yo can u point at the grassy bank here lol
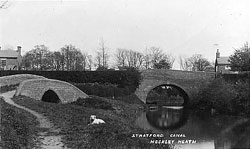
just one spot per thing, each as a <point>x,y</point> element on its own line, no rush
<point>73,121</point>
<point>227,97</point>
<point>17,127</point>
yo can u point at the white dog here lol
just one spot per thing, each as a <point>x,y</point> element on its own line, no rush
<point>94,120</point>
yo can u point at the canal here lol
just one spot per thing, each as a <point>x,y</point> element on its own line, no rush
<point>206,131</point>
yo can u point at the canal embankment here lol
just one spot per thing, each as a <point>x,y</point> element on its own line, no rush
<point>46,135</point>
<point>73,120</point>
<point>18,127</point>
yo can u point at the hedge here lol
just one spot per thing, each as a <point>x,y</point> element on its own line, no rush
<point>235,77</point>
<point>104,90</point>
<point>120,78</point>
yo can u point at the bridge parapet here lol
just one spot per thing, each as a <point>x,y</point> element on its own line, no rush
<point>177,74</point>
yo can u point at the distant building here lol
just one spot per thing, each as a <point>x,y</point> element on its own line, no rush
<point>10,59</point>
<point>209,69</point>
<point>222,63</point>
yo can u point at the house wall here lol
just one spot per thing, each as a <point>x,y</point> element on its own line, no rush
<point>11,63</point>
<point>222,68</point>
<point>13,60</point>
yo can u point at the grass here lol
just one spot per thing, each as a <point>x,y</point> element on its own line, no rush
<point>73,121</point>
<point>17,127</point>
<point>94,102</point>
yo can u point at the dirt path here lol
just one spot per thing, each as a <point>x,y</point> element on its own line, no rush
<point>49,139</point>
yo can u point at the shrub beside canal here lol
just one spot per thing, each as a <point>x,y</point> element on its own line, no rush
<point>229,97</point>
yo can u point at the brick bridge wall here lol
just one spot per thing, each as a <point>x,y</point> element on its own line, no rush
<point>35,88</point>
<point>188,81</point>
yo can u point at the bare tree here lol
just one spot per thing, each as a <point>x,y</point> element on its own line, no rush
<point>4,4</point>
<point>156,54</point>
<point>198,62</point>
<point>120,57</point>
<point>147,59</point>
<point>72,58</point>
<point>86,61</point>
<point>90,62</point>
<point>184,63</point>
<point>154,57</point>
<point>129,58</point>
<point>102,55</point>
<point>140,59</point>
<point>98,59</point>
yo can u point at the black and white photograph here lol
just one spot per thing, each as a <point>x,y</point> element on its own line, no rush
<point>124,74</point>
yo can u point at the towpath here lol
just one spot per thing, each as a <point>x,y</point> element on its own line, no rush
<point>49,138</point>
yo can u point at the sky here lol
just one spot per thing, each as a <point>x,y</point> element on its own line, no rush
<point>178,27</point>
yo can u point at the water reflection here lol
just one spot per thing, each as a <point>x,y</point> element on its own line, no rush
<point>167,117</point>
<point>209,131</point>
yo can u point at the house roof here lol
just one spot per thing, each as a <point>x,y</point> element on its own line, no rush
<point>8,54</point>
<point>222,61</point>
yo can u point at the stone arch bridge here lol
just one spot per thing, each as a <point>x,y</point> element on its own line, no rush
<point>36,89</point>
<point>187,81</point>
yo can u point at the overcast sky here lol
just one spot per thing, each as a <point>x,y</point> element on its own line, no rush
<point>179,27</point>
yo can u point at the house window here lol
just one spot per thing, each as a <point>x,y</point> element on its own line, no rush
<point>227,67</point>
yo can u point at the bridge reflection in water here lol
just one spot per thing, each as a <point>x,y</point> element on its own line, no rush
<point>210,132</point>
<point>167,118</point>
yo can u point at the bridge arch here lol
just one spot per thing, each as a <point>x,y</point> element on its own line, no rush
<point>51,95</point>
<point>180,89</point>
<point>149,84</point>
<point>36,88</point>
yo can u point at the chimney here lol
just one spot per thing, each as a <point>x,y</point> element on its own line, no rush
<point>19,49</point>
<point>217,54</point>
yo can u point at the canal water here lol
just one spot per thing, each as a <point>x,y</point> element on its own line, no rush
<point>189,130</point>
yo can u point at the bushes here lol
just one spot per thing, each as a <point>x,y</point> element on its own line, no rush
<point>95,103</point>
<point>235,77</point>
<point>129,78</point>
<point>242,100</point>
<point>225,97</point>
